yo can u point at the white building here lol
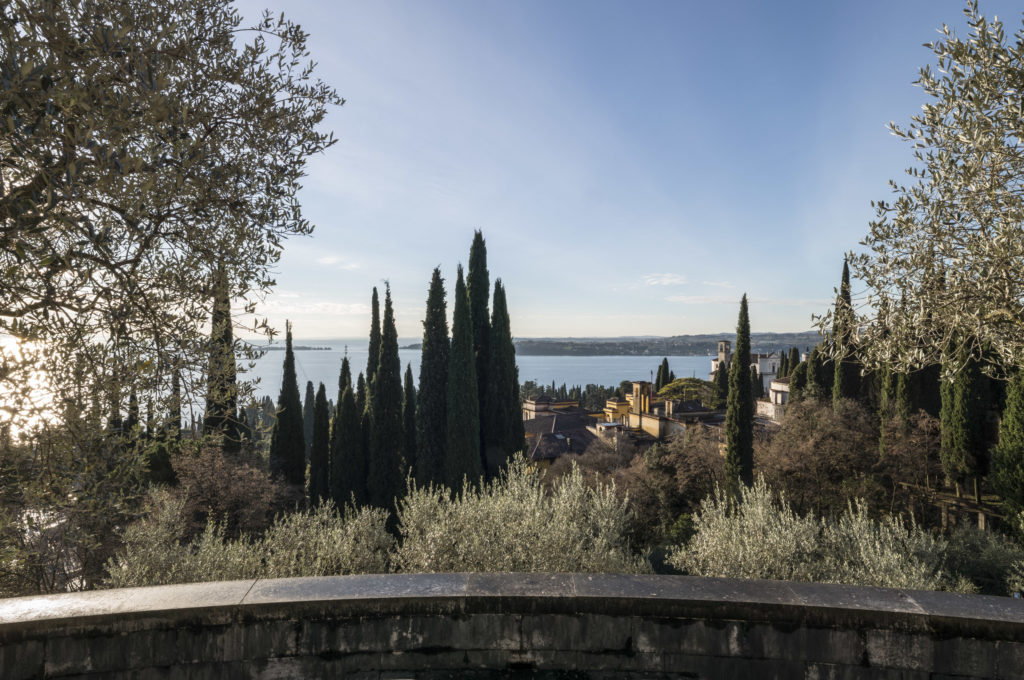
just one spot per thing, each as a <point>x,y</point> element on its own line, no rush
<point>767,365</point>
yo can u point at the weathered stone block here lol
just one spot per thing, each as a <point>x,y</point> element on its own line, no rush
<point>22,660</point>
<point>897,649</point>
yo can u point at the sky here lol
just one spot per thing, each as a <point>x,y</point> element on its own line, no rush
<point>635,167</point>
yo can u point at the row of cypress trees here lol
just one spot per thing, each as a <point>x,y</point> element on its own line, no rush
<point>461,424</point>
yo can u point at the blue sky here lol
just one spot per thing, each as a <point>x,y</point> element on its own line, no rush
<point>635,167</point>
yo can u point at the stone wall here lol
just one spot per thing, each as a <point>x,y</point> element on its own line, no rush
<point>511,625</point>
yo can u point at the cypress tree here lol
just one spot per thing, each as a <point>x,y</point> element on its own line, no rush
<point>970,402</point>
<point>1007,472</point>
<point>348,465</point>
<point>361,394</point>
<point>798,381</point>
<point>409,423</point>
<point>478,288</point>
<point>344,429</point>
<point>794,359</point>
<point>344,378</point>
<point>308,408</point>
<point>319,453</point>
<point>384,478</point>
<point>783,364</point>
<point>373,358</point>
<point>845,384</point>
<point>287,445</point>
<point>739,414</point>
<point>503,421</point>
<point>902,407</point>
<point>756,386</point>
<point>816,388</point>
<point>363,409</point>
<point>132,421</point>
<point>964,402</point>
<point>432,397</point>
<point>925,392</point>
<point>462,457</point>
<point>947,455</point>
<point>721,386</point>
<point>663,373</point>
<point>221,388</point>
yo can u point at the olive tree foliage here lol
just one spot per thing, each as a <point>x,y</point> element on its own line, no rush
<point>944,258</point>
<point>762,537</point>
<point>317,542</point>
<point>142,146</point>
<point>514,523</point>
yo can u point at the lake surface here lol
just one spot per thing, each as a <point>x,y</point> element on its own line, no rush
<point>325,365</point>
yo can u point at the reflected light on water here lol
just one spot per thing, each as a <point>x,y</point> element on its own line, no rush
<point>26,401</point>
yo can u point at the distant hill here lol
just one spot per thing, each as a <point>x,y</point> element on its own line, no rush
<point>677,345</point>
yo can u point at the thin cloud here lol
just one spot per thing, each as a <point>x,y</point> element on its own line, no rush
<point>331,260</point>
<point>665,279</point>
<point>718,284</point>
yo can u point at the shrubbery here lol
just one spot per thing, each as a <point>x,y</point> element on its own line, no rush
<point>762,537</point>
<point>521,522</point>
<point>515,524</point>
<point>318,542</point>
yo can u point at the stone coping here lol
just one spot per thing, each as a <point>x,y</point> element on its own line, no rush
<point>778,602</point>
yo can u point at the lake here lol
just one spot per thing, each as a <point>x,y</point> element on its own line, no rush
<point>324,365</point>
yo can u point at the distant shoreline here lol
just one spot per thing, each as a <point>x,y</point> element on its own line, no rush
<point>680,345</point>
<point>297,348</point>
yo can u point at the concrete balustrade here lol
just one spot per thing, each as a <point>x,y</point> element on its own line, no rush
<point>511,625</point>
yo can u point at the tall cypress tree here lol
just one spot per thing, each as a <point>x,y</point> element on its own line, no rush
<point>721,386</point>
<point>384,477</point>
<point>794,359</point>
<point>319,453</point>
<point>503,420</point>
<point>348,464</point>
<point>361,394</point>
<point>287,444</point>
<point>662,377</point>
<point>432,406</point>
<point>970,402</point>
<point>1007,473</point>
<point>846,384</point>
<point>739,414</point>
<point>409,423</point>
<point>462,457</point>
<point>345,440</point>
<point>308,409</point>
<point>478,288</point>
<point>815,387</point>
<point>221,387</point>
<point>798,381</point>
<point>344,378</point>
<point>373,358</point>
<point>816,383</point>
<point>783,364</point>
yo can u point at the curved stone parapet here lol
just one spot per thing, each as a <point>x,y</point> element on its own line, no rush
<point>511,625</point>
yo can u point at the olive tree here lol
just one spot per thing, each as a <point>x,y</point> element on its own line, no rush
<point>143,146</point>
<point>944,259</point>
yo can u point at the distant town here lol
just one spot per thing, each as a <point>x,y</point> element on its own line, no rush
<point>676,345</point>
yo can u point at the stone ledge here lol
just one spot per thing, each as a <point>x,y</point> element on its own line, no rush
<point>591,623</point>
